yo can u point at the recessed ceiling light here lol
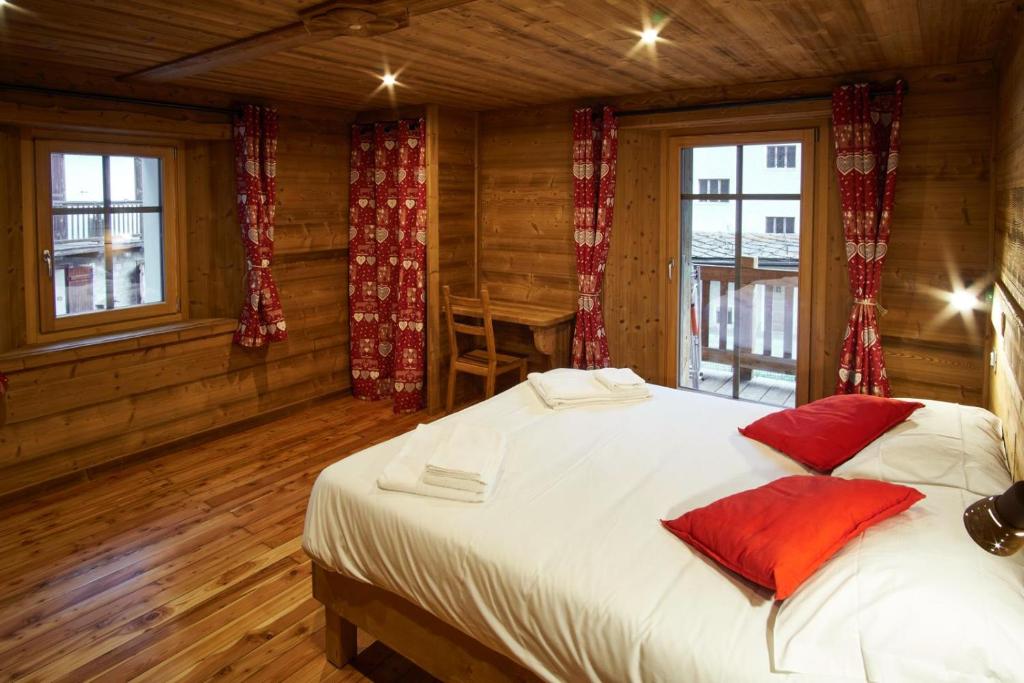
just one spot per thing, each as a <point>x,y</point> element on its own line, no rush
<point>389,80</point>
<point>963,300</point>
<point>649,36</point>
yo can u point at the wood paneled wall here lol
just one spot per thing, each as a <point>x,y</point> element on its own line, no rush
<point>1006,381</point>
<point>83,405</point>
<point>452,159</point>
<point>940,227</point>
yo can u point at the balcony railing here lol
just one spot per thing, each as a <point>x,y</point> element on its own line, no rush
<point>761,319</point>
<point>87,226</point>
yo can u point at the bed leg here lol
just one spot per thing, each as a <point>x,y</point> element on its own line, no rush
<point>340,646</point>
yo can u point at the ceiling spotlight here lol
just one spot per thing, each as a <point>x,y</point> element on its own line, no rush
<point>389,80</point>
<point>963,300</point>
<point>649,36</point>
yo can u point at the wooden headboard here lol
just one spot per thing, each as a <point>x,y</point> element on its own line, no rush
<point>1007,378</point>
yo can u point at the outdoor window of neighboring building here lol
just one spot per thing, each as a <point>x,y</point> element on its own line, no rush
<point>781,156</point>
<point>107,234</point>
<point>713,186</point>
<point>780,224</point>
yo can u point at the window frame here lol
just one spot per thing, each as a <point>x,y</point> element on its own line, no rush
<point>44,324</point>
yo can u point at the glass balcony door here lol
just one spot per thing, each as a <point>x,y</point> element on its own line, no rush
<point>740,217</point>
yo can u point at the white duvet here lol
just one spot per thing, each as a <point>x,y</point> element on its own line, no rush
<point>567,569</point>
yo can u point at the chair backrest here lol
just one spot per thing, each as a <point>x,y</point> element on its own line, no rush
<point>463,307</point>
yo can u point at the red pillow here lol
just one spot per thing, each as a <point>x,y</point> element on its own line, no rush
<point>826,433</point>
<point>777,535</point>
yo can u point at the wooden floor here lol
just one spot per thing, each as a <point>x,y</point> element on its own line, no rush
<point>187,566</point>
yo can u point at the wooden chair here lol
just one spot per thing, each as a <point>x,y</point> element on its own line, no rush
<point>486,362</point>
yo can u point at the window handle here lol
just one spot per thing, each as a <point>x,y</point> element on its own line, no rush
<point>48,260</point>
<point>671,268</point>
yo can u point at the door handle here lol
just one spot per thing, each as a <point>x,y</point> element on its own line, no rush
<point>671,268</point>
<point>48,260</point>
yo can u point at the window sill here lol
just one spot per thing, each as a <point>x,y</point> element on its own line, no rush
<point>55,353</point>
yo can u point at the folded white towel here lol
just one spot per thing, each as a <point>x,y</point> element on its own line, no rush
<point>619,378</point>
<point>570,388</point>
<point>406,472</point>
<point>455,483</point>
<point>470,453</point>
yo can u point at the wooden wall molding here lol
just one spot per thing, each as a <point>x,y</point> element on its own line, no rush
<point>30,109</point>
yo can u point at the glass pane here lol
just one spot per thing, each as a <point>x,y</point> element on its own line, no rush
<point>76,180</point>
<point>106,259</point>
<point>709,170</point>
<point>771,229</point>
<point>771,169</point>
<point>708,332</point>
<point>138,276</point>
<point>766,325</point>
<point>134,181</point>
<point>79,265</point>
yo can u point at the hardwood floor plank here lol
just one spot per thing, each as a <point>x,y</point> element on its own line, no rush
<point>188,565</point>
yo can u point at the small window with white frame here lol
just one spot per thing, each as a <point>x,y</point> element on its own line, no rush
<point>107,236</point>
<point>710,186</point>
<point>781,156</point>
<point>780,224</point>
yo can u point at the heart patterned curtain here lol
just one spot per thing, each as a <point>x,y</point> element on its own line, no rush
<point>387,262</point>
<point>594,156</point>
<point>867,140</point>
<point>262,320</point>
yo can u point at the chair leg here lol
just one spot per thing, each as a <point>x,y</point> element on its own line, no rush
<point>450,403</point>
<point>492,375</point>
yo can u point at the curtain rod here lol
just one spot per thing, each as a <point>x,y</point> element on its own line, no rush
<point>743,103</point>
<point>116,98</point>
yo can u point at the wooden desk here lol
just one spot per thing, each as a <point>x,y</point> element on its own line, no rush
<point>550,325</point>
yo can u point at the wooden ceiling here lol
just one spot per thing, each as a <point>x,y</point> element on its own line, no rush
<point>489,54</point>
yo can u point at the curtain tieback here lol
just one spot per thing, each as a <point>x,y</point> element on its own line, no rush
<point>882,310</point>
<point>249,267</point>
<point>587,294</point>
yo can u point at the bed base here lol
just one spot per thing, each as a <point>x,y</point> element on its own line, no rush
<point>435,646</point>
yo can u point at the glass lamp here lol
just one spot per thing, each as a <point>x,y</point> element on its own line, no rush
<point>996,523</point>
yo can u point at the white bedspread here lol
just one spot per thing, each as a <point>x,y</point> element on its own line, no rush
<point>567,568</point>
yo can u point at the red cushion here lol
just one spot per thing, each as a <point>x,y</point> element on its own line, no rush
<point>826,433</point>
<point>777,535</point>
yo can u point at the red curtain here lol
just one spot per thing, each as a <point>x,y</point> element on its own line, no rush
<point>262,320</point>
<point>594,155</point>
<point>867,139</point>
<point>387,262</point>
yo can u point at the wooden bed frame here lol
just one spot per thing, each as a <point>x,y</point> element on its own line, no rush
<point>435,646</point>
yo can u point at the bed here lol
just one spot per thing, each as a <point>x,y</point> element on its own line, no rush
<point>565,574</point>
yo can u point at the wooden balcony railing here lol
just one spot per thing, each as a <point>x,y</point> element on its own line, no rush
<point>774,317</point>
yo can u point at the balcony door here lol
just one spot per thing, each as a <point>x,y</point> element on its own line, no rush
<point>743,201</point>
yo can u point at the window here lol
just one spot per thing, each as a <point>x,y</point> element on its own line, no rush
<point>781,156</point>
<point>780,224</point>
<point>714,186</point>
<point>106,217</point>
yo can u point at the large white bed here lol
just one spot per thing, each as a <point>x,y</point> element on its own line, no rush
<point>567,570</point>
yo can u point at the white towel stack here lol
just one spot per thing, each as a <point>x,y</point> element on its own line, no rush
<point>568,388</point>
<point>458,462</point>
